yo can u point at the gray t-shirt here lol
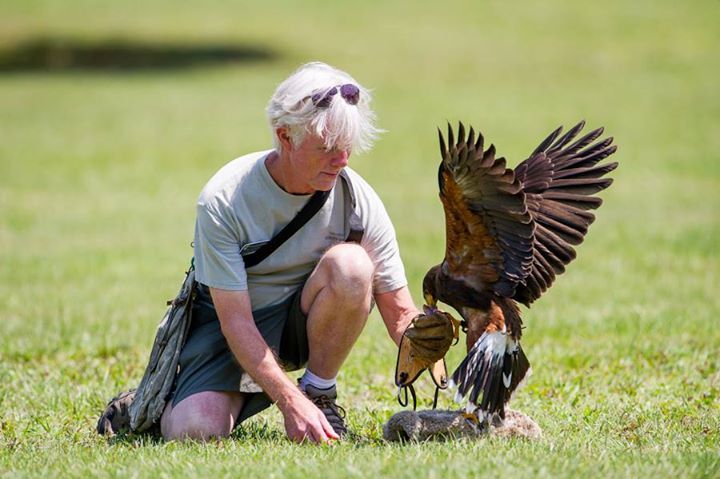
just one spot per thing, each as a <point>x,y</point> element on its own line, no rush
<point>242,205</point>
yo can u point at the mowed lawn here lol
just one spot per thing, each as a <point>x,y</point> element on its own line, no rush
<point>100,169</point>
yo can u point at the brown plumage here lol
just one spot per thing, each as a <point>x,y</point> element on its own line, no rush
<point>508,235</point>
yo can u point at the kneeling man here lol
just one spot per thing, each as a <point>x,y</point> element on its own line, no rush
<point>307,302</point>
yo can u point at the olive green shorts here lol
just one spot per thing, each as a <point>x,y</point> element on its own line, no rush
<point>207,364</point>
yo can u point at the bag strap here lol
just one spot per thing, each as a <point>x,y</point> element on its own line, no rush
<point>313,205</point>
<point>352,221</point>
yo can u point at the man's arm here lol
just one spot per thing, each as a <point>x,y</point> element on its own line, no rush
<point>303,420</point>
<point>397,310</point>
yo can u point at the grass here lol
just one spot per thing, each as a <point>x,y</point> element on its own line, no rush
<point>99,171</point>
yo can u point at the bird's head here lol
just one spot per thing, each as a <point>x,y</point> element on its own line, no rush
<point>430,286</point>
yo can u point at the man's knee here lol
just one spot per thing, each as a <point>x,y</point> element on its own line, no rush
<point>202,416</point>
<point>348,269</point>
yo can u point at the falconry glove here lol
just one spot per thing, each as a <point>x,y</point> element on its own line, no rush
<point>423,346</point>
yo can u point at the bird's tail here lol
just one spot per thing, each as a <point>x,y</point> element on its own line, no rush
<point>493,369</point>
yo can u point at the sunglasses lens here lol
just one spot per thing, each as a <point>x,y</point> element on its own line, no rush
<point>350,93</point>
<point>322,100</point>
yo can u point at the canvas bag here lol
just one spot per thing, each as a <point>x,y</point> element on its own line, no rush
<point>155,386</point>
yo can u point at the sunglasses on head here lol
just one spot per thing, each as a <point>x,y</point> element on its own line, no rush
<point>349,92</point>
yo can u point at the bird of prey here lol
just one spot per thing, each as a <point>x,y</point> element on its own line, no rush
<point>508,235</point>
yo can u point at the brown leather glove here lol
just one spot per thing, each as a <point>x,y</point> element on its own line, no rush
<point>425,343</point>
<point>430,336</point>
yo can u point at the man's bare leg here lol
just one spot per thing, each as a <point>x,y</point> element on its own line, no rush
<point>336,298</point>
<point>201,416</point>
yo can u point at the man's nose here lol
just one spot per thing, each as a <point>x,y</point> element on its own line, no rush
<point>340,159</point>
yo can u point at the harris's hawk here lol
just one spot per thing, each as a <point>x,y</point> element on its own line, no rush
<point>508,235</point>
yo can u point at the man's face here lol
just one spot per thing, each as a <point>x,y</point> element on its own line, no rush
<point>314,167</point>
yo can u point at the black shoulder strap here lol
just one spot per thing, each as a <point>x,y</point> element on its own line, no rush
<point>316,201</point>
<point>353,224</point>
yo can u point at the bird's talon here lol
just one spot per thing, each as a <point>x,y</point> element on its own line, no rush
<point>456,327</point>
<point>471,417</point>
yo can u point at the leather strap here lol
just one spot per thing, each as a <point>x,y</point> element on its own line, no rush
<point>316,201</point>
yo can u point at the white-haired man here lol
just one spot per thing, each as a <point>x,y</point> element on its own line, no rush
<point>308,301</point>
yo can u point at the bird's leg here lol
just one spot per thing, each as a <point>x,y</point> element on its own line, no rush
<point>457,325</point>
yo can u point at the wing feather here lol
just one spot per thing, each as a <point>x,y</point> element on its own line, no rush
<point>489,232</point>
<point>559,180</point>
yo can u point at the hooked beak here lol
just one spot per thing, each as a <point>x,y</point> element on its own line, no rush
<point>430,300</point>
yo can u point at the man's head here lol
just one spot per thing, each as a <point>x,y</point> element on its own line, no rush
<point>326,102</point>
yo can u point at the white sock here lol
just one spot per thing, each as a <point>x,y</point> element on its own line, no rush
<point>316,381</point>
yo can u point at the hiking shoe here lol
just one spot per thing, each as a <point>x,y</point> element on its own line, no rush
<point>116,416</point>
<point>324,399</point>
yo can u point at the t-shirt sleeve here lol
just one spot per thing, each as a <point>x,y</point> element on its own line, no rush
<point>218,262</point>
<point>381,244</point>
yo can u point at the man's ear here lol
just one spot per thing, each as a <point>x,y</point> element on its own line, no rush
<point>283,135</point>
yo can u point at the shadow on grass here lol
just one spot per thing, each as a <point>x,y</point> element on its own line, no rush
<point>136,438</point>
<point>251,432</point>
<point>258,433</point>
<point>58,54</point>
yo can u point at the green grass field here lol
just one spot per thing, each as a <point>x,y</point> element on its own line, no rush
<point>100,169</point>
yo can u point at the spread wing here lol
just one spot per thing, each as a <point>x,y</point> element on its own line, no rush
<point>489,231</point>
<point>559,180</point>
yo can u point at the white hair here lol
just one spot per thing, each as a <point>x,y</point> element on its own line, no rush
<point>340,124</point>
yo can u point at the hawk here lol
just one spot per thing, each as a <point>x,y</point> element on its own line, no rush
<point>508,235</point>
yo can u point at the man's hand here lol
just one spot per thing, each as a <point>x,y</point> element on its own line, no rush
<point>305,422</point>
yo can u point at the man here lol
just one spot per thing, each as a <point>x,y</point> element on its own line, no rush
<point>307,302</point>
